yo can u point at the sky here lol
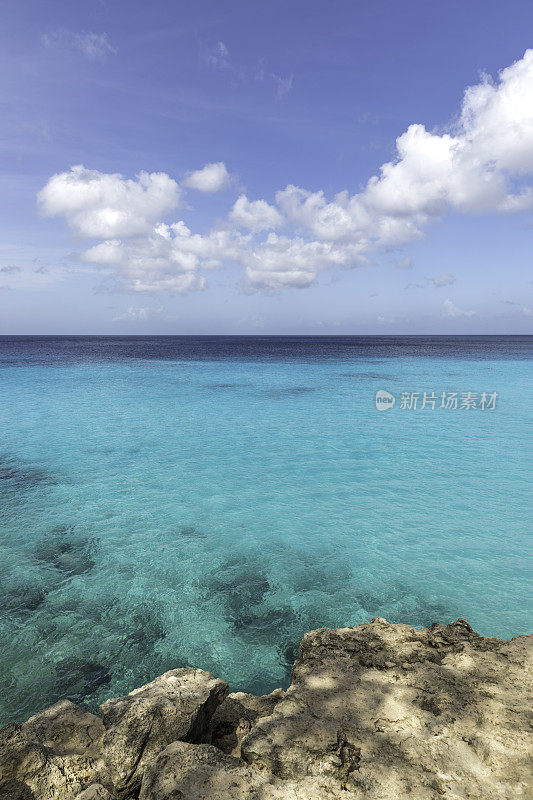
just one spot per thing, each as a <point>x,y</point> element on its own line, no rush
<point>341,167</point>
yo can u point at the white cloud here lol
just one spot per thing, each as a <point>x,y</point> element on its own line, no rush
<point>255,215</point>
<point>281,262</point>
<point>138,314</point>
<point>168,259</point>
<point>451,310</point>
<point>100,205</point>
<point>443,280</point>
<point>327,221</point>
<point>480,164</point>
<point>93,45</point>
<point>497,118</point>
<point>476,167</point>
<point>211,178</point>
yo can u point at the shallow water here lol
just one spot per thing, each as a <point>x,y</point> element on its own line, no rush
<point>205,501</point>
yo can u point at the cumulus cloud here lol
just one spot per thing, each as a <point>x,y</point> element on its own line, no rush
<point>451,310</point>
<point>211,178</point>
<point>282,261</point>
<point>100,205</point>
<point>477,167</point>
<point>168,259</point>
<point>95,46</point>
<point>482,163</point>
<point>255,215</point>
<point>443,280</point>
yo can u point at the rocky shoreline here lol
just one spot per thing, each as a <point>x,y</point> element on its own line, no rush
<point>377,711</point>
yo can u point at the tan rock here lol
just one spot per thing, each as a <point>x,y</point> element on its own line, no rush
<point>375,712</point>
<point>67,728</point>
<point>177,705</point>
<point>382,711</point>
<point>234,718</point>
<point>202,772</point>
<point>196,772</point>
<point>53,756</point>
<point>95,792</point>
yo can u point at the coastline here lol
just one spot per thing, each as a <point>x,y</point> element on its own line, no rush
<point>377,710</point>
<point>172,501</point>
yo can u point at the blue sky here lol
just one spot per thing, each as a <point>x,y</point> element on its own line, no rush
<point>288,104</point>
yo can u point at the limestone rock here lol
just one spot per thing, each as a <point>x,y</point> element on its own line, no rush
<point>53,756</point>
<point>202,772</point>
<point>385,711</point>
<point>234,718</point>
<point>196,772</point>
<point>177,705</point>
<point>95,792</point>
<point>375,712</point>
<point>67,728</point>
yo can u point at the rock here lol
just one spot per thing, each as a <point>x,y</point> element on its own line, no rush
<point>95,792</point>
<point>54,755</point>
<point>234,718</point>
<point>385,711</point>
<point>374,712</point>
<point>196,772</point>
<point>202,772</point>
<point>21,761</point>
<point>67,728</point>
<point>177,705</point>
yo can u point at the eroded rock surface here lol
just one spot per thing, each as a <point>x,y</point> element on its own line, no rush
<point>202,772</point>
<point>55,754</point>
<point>374,712</point>
<point>196,772</point>
<point>67,728</point>
<point>176,706</point>
<point>381,711</point>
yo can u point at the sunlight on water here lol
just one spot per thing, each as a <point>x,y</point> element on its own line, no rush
<point>206,503</point>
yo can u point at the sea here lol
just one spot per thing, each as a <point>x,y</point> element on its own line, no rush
<point>204,501</point>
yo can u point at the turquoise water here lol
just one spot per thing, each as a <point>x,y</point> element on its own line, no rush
<point>166,502</point>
